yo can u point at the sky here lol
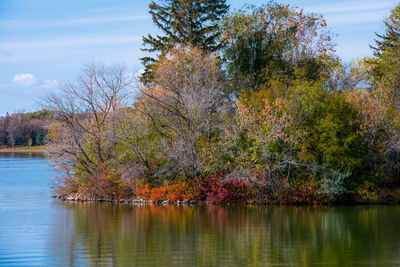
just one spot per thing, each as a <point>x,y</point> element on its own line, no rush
<point>44,43</point>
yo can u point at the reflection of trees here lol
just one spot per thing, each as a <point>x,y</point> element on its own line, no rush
<point>235,236</point>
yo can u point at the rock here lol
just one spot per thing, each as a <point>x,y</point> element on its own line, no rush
<point>193,202</point>
<point>185,202</point>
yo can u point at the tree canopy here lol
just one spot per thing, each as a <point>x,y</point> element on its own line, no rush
<point>183,22</point>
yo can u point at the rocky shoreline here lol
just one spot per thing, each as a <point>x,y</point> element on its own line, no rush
<point>138,201</point>
<point>187,202</point>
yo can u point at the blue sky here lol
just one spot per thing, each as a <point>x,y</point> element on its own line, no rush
<point>45,42</point>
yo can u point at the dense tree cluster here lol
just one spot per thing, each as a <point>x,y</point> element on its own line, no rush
<point>250,105</point>
<point>24,129</point>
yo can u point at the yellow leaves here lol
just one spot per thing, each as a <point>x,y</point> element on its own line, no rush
<point>367,191</point>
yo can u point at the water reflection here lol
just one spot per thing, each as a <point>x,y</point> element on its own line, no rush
<point>125,235</point>
<point>38,230</point>
<point>16,155</point>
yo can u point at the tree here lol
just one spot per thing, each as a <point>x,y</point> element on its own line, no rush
<point>83,138</point>
<point>274,42</point>
<point>4,123</point>
<point>385,66</point>
<point>185,22</point>
<point>347,77</point>
<point>23,129</point>
<point>380,131</point>
<point>390,40</point>
<point>185,105</point>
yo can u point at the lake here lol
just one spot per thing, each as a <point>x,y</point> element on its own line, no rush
<point>38,230</point>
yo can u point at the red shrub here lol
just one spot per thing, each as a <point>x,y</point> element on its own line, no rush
<point>225,191</point>
<point>105,185</point>
<point>305,192</point>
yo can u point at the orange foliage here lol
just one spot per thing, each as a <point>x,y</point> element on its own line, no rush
<point>168,191</point>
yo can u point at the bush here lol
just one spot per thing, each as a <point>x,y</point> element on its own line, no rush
<point>180,190</point>
<point>305,192</point>
<point>333,187</point>
<point>105,185</point>
<point>367,191</point>
<point>66,186</point>
<point>230,190</point>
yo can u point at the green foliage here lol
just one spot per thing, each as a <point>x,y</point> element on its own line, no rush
<point>390,40</point>
<point>273,42</point>
<point>183,22</point>
<point>367,191</point>
<point>385,66</point>
<point>331,136</point>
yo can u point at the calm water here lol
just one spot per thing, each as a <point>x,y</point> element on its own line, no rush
<point>38,230</point>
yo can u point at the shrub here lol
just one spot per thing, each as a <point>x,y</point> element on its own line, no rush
<point>66,186</point>
<point>333,187</point>
<point>367,191</point>
<point>105,185</point>
<point>391,195</point>
<point>230,190</point>
<point>306,192</point>
<point>180,190</point>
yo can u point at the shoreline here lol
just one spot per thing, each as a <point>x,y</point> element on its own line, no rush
<point>38,149</point>
<point>164,202</point>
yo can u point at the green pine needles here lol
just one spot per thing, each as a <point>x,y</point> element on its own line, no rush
<point>183,22</point>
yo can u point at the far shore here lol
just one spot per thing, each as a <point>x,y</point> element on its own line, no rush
<point>23,149</point>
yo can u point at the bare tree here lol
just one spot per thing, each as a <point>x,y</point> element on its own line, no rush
<point>85,135</point>
<point>348,77</point>
<point>185,104</point>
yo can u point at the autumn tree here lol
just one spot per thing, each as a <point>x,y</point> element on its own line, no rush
<point>24,129</point>
<point>380,131</point>
<point>185,22</point>
<point>83,138</point>
<point>274,42</point>
<point>185,106</point>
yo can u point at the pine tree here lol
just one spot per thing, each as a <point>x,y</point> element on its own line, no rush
<point>385,67</point>
<point>186,22</point>
<point>391,38</point>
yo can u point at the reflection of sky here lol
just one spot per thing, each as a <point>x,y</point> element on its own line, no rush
<point>51,39</point>
<point>38,230</point>
<point>24,200</point>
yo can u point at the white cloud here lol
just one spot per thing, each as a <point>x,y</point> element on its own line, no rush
<point>50,83</point>
<point>24,79</point>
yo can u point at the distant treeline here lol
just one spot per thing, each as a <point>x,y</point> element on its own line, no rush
<point>24,129</point>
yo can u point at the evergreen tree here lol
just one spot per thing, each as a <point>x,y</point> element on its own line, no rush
<point>391,38</point>
<point>385,67</point>
<point>186,22</point>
